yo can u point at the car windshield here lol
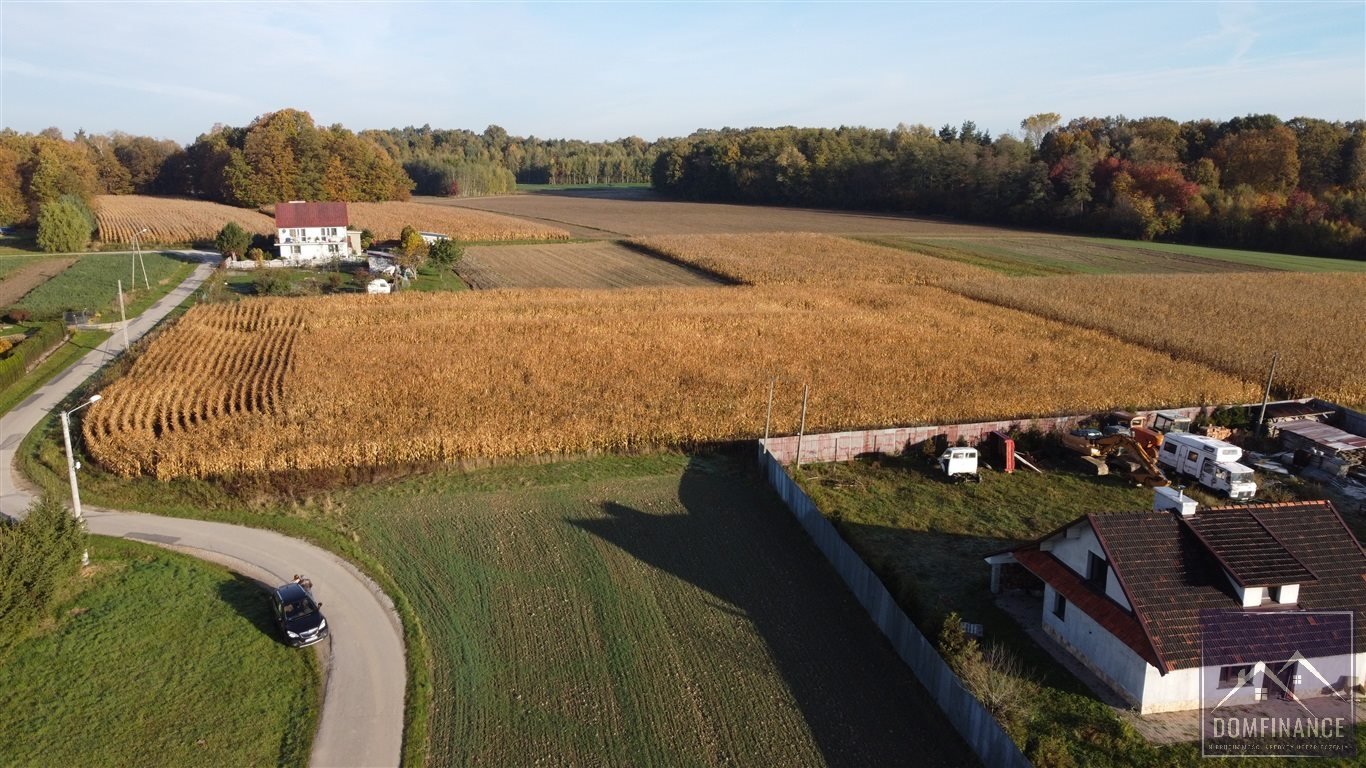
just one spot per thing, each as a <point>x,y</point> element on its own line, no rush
<point>299,608</point>
<point>1240,477</point>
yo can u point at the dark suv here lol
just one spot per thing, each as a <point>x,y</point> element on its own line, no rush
<point>297,614</point>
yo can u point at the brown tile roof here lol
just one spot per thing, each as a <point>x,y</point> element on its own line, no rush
<point>1247,550</point>
<point>1103,610</point>
<point>1170,574</point>
<point>299,215</point>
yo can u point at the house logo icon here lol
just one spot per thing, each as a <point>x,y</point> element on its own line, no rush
<point>1278,684</point>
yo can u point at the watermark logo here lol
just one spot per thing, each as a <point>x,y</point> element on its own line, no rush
<point>1277,684</point>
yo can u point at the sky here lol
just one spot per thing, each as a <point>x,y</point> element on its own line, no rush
<point>607,70</point>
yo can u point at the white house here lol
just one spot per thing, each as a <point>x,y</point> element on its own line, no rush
<point>314,232</point>
<point>432,238</point>
<point>1152,602</point>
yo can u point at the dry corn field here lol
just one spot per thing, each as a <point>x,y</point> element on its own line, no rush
<point>571,265</point>
<point>1232,323</point>
<point>345,381</point>
<point>804,258</point>
<point>171,220</point>
<point>386,221</point>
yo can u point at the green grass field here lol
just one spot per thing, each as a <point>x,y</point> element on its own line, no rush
<point>656,610</point>
<point>159,659</point>
<point>574,187</point>
<point>1029,255</point>
<point>92,283</point>
<point>638,611</point>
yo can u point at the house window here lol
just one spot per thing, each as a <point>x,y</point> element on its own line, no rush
<point>1059,606</point>
<point>1235,676</point>
<point>1096,569</point>
<point>334,248</point>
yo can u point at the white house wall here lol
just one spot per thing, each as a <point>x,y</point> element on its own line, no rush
<point>1074,553</point>
<point>311,244</point>
<point>1101,652</point>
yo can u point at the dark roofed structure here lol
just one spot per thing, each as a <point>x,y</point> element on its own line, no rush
<point>1171,568</point>
<point>300,215</point>
<point>1247,550</point>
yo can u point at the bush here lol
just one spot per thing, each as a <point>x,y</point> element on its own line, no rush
<point>37,558</point>
<point>367,239</point>
<point>18,316</point>
<point>62,227</point>
<point>27,352</point>
<point>445,253</point>
<point>257,255</point>
<point>268,283</point>
<point>232,240</point>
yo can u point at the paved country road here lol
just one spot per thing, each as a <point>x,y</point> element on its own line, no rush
<point>362,713</point>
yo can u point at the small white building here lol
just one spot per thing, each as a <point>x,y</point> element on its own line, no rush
<point>431,238</point>
<point>1135,597</point>
<point>378,285</point>
<point>313,232</point>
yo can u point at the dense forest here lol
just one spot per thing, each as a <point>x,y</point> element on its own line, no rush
<point>1256,182</point>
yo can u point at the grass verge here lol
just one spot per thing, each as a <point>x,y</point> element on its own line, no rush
<point>40,457</point>
<point>158,659</point>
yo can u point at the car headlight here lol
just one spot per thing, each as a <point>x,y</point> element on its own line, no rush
<point>322,625</point>
<point>292,634</point>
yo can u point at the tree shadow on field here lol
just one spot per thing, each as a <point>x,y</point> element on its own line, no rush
<point>736,542</point>
<point>251,601</point>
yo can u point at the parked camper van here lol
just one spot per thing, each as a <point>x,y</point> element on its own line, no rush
<point>1214,463</point>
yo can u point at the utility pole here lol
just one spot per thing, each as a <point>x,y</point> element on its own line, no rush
<point>768,420</point>
<point>124,317</point>
<point>801,430</point>
<point>1261,417</point>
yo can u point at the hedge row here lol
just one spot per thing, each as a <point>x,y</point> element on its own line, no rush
<point>25,353</point>
<point>37,558</point>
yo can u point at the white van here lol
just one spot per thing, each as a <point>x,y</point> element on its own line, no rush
<point>1214,463</point>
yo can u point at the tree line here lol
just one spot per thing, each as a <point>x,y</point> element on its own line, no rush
<point>1255,181</point>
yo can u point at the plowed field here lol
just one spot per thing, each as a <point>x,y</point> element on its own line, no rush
<point>571,265</point>
<point>657,611</point>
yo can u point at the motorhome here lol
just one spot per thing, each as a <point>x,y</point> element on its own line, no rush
<point>1214,463</point>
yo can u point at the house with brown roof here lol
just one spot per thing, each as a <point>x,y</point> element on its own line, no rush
<point>314,232</point>
<point>1154,603</point>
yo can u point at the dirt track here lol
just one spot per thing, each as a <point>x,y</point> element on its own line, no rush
<point>19,282</point>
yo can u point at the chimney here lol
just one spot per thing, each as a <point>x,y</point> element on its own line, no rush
<point>1173,500</point>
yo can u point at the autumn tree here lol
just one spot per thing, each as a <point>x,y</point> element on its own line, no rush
<point>445,253</point>
<point>1037,126</point>
<point>1262,158</point>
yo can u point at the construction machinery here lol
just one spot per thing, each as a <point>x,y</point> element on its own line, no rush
<point>1135,453</point>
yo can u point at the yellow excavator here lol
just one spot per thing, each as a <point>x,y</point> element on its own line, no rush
<point>1135,452</point>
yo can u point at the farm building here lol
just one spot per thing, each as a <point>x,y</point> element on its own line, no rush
<point>313,232</point>
<point>1126,595</point>
<point>432,238</point>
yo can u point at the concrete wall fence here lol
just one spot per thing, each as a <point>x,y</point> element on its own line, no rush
<point>973,722</point>
<point>845,446</point>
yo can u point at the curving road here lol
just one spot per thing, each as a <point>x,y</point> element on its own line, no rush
<point>362,713</point>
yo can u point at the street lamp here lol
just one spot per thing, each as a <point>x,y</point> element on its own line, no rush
<point>71,466</point>
<point>137,259</point>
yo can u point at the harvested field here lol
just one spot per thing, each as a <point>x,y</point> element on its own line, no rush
<point>15,285</point>
<point>171,219</point>
<point>804,259</point>
<point>387,220</point>
<point>1229,322</point>
<point>640,214</point>
<point>643,611</point>
<point>571,265</point>
<point>1031,255</point>
<point>274,384</point>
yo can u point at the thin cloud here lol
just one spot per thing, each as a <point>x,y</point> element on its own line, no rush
<point>26,69</point>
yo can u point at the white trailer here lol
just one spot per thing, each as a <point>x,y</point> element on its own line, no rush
<point>1214,463</point>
